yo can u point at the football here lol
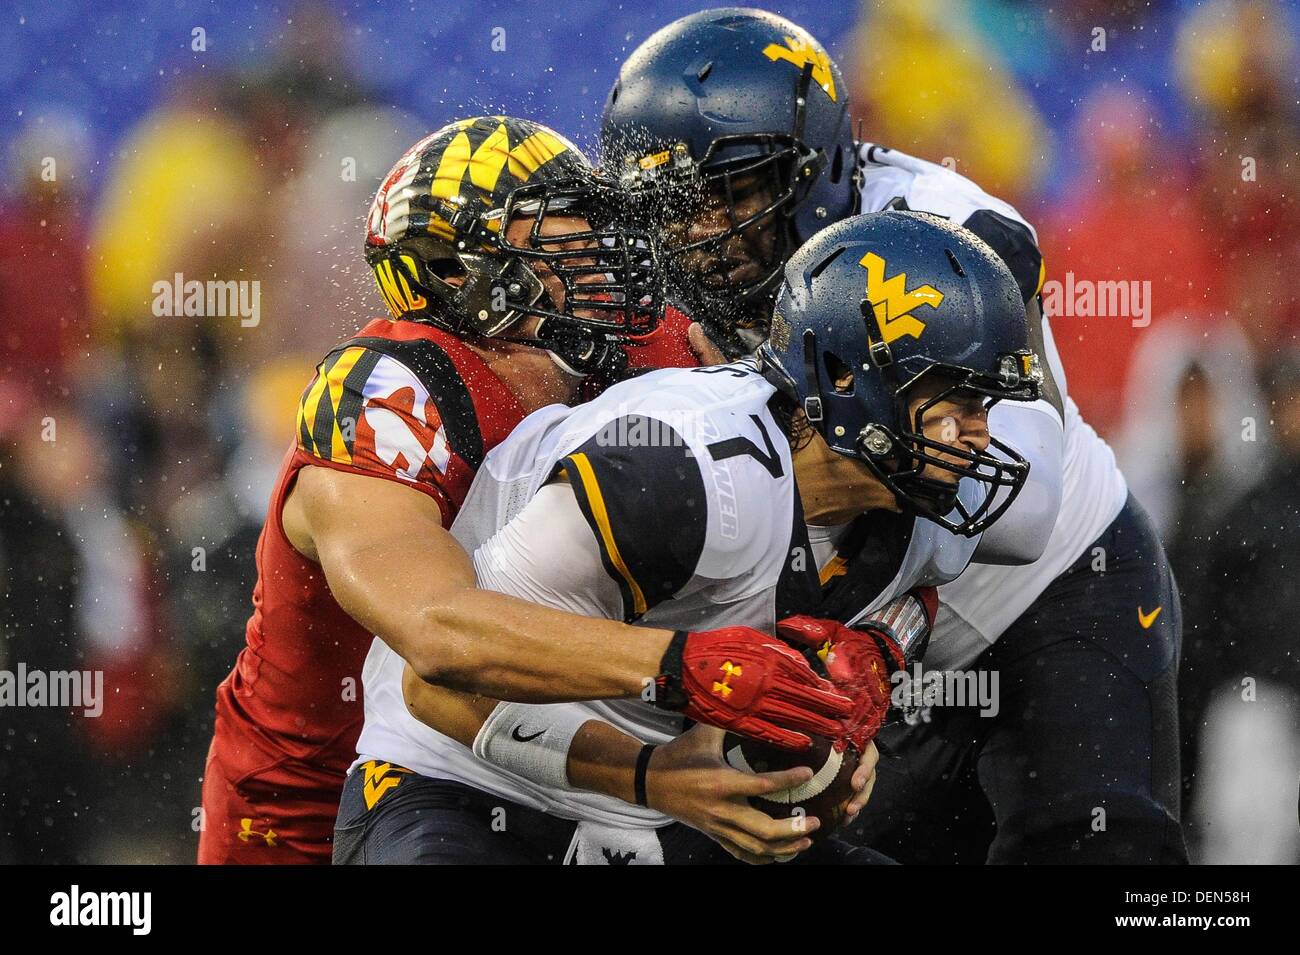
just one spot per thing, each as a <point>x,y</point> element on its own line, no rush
<point>822,796</point>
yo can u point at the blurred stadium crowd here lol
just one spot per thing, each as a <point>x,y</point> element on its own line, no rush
<point>137,451</point>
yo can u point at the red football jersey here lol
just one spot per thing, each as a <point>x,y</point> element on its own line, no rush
<point>401,401</point>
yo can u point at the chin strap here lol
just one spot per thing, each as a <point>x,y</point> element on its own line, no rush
<point>563,365</point>
<point>576,351</point>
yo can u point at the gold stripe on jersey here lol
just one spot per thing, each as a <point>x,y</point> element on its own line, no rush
<point>837,566</point>
<point>320,430</point>
<point>600,515</point>
<point>334,379</point>
<point>307,410</point>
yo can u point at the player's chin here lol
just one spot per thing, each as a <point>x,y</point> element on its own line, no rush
<point>949,476</point>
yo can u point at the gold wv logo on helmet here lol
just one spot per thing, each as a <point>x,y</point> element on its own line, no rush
<point>800,52</point>
<point>892,303</point>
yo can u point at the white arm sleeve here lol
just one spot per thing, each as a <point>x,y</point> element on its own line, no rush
<point>548,555</point>
<point>1033,429</point>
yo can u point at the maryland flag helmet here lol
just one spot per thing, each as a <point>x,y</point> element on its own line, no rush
<point>438,242</point>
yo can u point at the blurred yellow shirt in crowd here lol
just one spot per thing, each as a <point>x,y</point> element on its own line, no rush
<point>929,85</point>
<point>177,178</point>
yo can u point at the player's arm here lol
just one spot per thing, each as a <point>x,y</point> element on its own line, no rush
<point>560,552</point>
<point>393,568</point>
<point>390,432</point>
<point>390,429</point>
<point>686,778</point>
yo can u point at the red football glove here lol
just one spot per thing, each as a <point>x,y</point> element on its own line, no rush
<point>665,347</point>
<point>743,680</point>
<point>860,661</point>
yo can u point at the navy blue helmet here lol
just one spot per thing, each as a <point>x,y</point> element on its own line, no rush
<point>879,305</point>
<point>740,113</point>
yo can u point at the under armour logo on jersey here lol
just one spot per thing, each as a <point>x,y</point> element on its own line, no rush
<point>892,303</point>
<point>247,832</point>
<point>801,52</point>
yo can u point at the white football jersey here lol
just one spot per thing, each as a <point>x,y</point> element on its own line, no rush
<point>977,608</point>
<point>681,487</point>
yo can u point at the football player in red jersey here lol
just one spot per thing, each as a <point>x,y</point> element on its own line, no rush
<point>491,245</point>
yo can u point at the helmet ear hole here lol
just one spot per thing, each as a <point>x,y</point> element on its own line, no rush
<point>447,270</point>
<point>956,265</point>
<point>839,374</point>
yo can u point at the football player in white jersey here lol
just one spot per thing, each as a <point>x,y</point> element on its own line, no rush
<point>682,498</point>
<point>733,124</point>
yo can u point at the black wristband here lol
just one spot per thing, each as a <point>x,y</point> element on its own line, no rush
<point>670,694</point>
<point>638,778</point>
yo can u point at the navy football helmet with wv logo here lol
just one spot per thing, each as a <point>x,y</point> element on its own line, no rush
<point>739,118</point>
<point>875,308</point>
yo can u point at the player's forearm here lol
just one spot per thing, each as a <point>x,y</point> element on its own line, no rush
<point>397,571</point>
<point>600,758</point>
<point>480,641</point>
<point>503,647</point>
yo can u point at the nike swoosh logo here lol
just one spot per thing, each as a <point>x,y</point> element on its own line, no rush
<point>1147,619</point>
<point>524,739</point>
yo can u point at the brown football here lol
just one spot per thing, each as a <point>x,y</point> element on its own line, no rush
<point>822,796</point>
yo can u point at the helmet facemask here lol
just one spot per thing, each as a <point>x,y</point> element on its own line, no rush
<point>751,200</point>
<point>608,275</point>
<point>904,458</point>
<point>898,451</point>
<point>758,182</point>
<point>485,281</point>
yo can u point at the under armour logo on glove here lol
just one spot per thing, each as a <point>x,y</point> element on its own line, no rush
<point>729,670</point>
<point>743,680</point>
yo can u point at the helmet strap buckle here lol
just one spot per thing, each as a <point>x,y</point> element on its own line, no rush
<point>878,349</point>
<point>469,226</point>
<point>880,354</point>
<point>812,409</point>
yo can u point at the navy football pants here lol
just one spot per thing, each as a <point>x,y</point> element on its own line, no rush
<point>1081,762</point>
<point>423,821</point>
